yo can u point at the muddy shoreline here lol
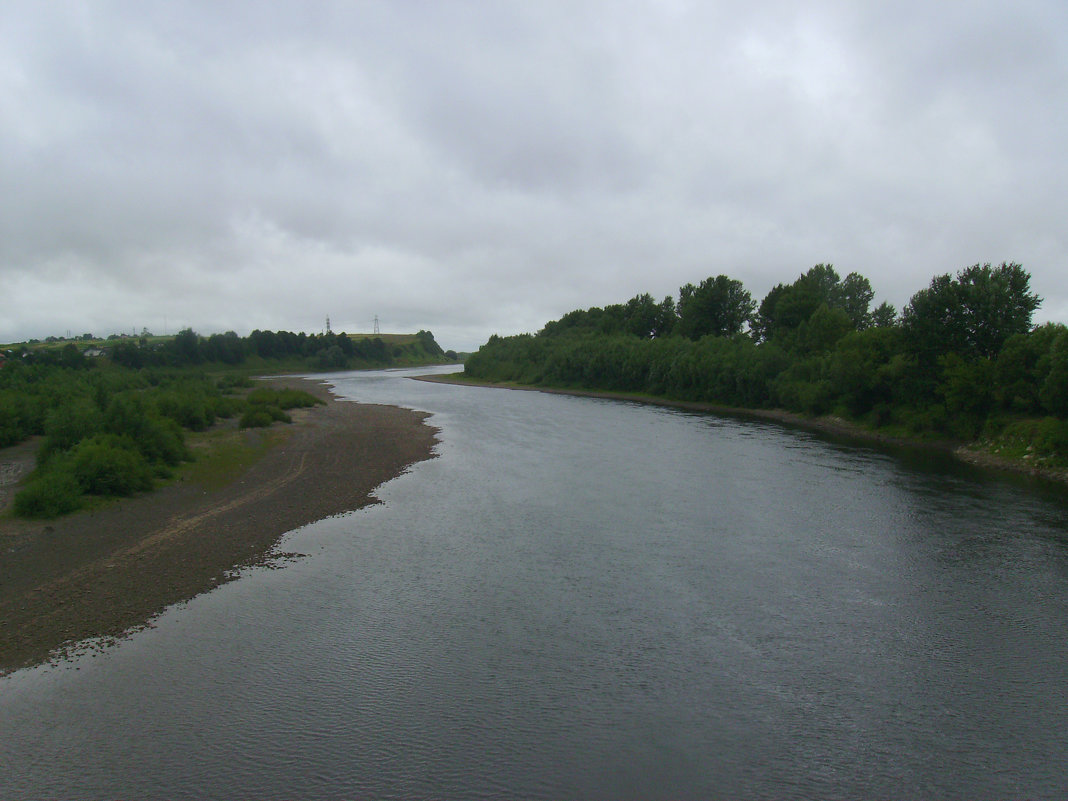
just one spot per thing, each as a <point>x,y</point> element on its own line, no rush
<point>100,574</point>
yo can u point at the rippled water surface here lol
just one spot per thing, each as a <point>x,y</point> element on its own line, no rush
<point>592,599</point>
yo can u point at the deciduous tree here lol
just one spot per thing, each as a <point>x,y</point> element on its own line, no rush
<point>971,315</point>
<point>718,306</point>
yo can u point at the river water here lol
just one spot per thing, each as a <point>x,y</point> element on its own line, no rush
<point>593,599</point>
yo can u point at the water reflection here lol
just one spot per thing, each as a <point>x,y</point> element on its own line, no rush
<point>591,599</point>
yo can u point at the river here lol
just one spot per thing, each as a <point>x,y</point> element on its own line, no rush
<point>595,599</point>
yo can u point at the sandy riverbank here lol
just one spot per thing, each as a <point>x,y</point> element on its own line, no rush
<point>99,574</point>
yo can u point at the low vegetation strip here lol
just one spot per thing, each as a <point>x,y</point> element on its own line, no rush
<point>115,433</point>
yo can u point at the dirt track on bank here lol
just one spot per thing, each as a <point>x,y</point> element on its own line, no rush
<point>99,574</point>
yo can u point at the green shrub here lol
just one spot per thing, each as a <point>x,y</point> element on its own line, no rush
<point>157,438</point>
<point>226,408</point>
<point>109,465</point>
<point>187,407</point>
<point>261,415</point>
<point>1044,439</point>
<point>278,415</point>
<point>50,495</point>
<point>13,428</point>
<point>256,417</point>
<point>1051,437</point>
<point>67,425</point>
<point>160,440</point>
<point>282,398</point>
<point>262,396</point>
<point>126,414</point>
<point>233,381</point>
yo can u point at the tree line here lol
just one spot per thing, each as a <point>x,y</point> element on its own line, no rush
<point>961,360</point>
<point>327,351</point>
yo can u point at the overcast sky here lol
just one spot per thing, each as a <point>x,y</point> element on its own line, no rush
<point>483,167</point>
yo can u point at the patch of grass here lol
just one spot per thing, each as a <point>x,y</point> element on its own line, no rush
<point>389,339</point>
<point>261,416</point>
<point>1034,441</point>
<point>223,455</point>
<point>232,380</point>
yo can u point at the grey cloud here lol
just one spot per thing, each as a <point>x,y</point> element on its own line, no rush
<point>482,167</point>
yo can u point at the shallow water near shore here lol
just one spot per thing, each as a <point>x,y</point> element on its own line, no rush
<point>594,599</point>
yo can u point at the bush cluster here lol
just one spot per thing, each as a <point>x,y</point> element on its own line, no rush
<point>111,431</point>
<point>266,406</point>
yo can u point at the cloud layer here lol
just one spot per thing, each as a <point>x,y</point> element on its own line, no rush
<point>478,168</point>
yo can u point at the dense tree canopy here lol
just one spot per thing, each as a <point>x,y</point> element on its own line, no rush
<point>720,307</point>
<point>960,362</point>
<point>640,316</point>
<point>787,306</point>
<point>318,351</point>
<point>972,315</point>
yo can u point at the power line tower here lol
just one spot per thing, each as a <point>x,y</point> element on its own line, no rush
<point>376,325</point>
<point>328,324</point>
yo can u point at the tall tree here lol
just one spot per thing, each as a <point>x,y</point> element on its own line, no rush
<point>884,316</point>
<point>666,318</point>
<point>787,306</point>
<point>971,315</point>
<point>853,296</point>
<point>719,306</point>
<point>639,316</point>
<point>186,345</point>
<point>1054,392</point>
